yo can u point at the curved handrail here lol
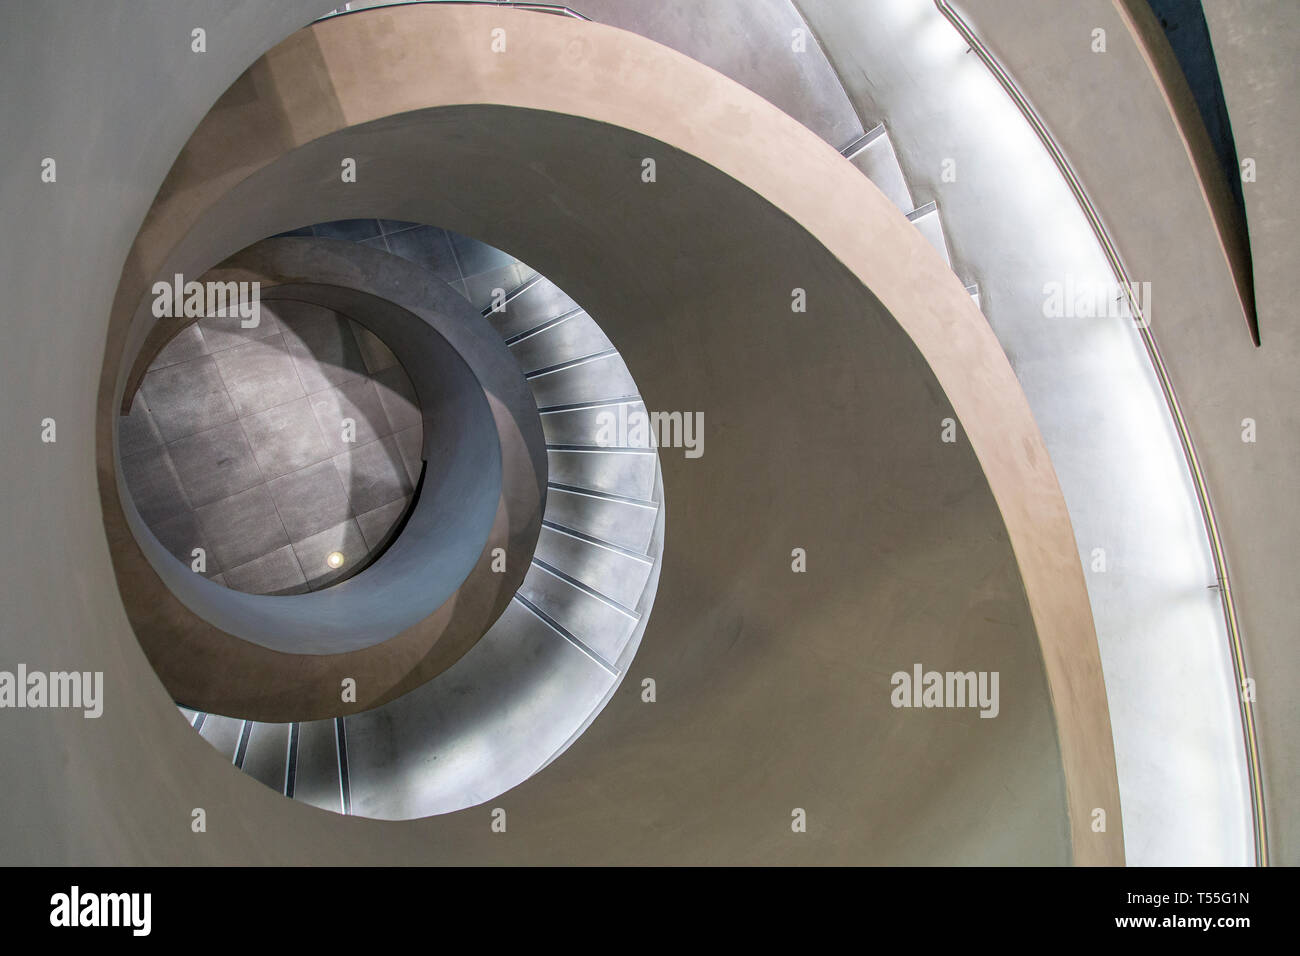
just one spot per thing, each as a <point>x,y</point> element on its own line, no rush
<point>558,9</point>
<point>1111,251</point>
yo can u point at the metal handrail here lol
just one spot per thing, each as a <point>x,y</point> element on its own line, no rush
<point>1111,251</point>
<point>558,9</point>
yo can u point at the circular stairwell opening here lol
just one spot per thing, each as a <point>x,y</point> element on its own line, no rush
<point>587,578</point>
<point>278,459</point>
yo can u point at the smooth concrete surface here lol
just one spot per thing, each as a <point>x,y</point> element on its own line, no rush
<point>1257,45</point>
<point>1014,228</point>
<point>588,805</point>
<point>1146,32</point>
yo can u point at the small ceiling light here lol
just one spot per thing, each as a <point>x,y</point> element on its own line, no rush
<point>335,559</point>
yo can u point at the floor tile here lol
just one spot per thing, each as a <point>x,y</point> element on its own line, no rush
<point>242,527</point>
<point>215,464</point>
<point>378,523</point>
<point>397,396</point>
<point>324,350</point>
<point>226,332</point>
<point>188,345</point>
<point>274,573</point>
<point>187,398</point>
<point>357,401</point>
<point>154,484</point>
<point>410,442</point>
<point>286,438</point>
<point>136,431</point>
<point>180,535</point>
<point>373,474</point>
<point>258,375</point>
<point>312,552</point>
<point>310,500</point>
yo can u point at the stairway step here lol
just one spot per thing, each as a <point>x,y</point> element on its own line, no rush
<point>223,733</point>
<point>598,622</point>
<point>597,424</point>
<point>624,524</point>
<point>540,302</point>
<point>572,338</point>
<point>628,474</point>
<point>483,288</point>
<point>486,723</point>
<point>860,143</point>
<point>614,572</point>
<point>514,294</point>
<point>600,378</point>
<point>562,317</point>
<point>926,219</point>
<point>316,775</point>
<point>874,155</point>
<point>267,754</point>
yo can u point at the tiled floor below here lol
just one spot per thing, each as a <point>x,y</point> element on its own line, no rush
<point>272,448</point>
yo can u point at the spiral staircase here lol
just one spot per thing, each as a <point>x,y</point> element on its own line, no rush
<point>590,583</point>
<point>577,617</point>
<point>592,576</point>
